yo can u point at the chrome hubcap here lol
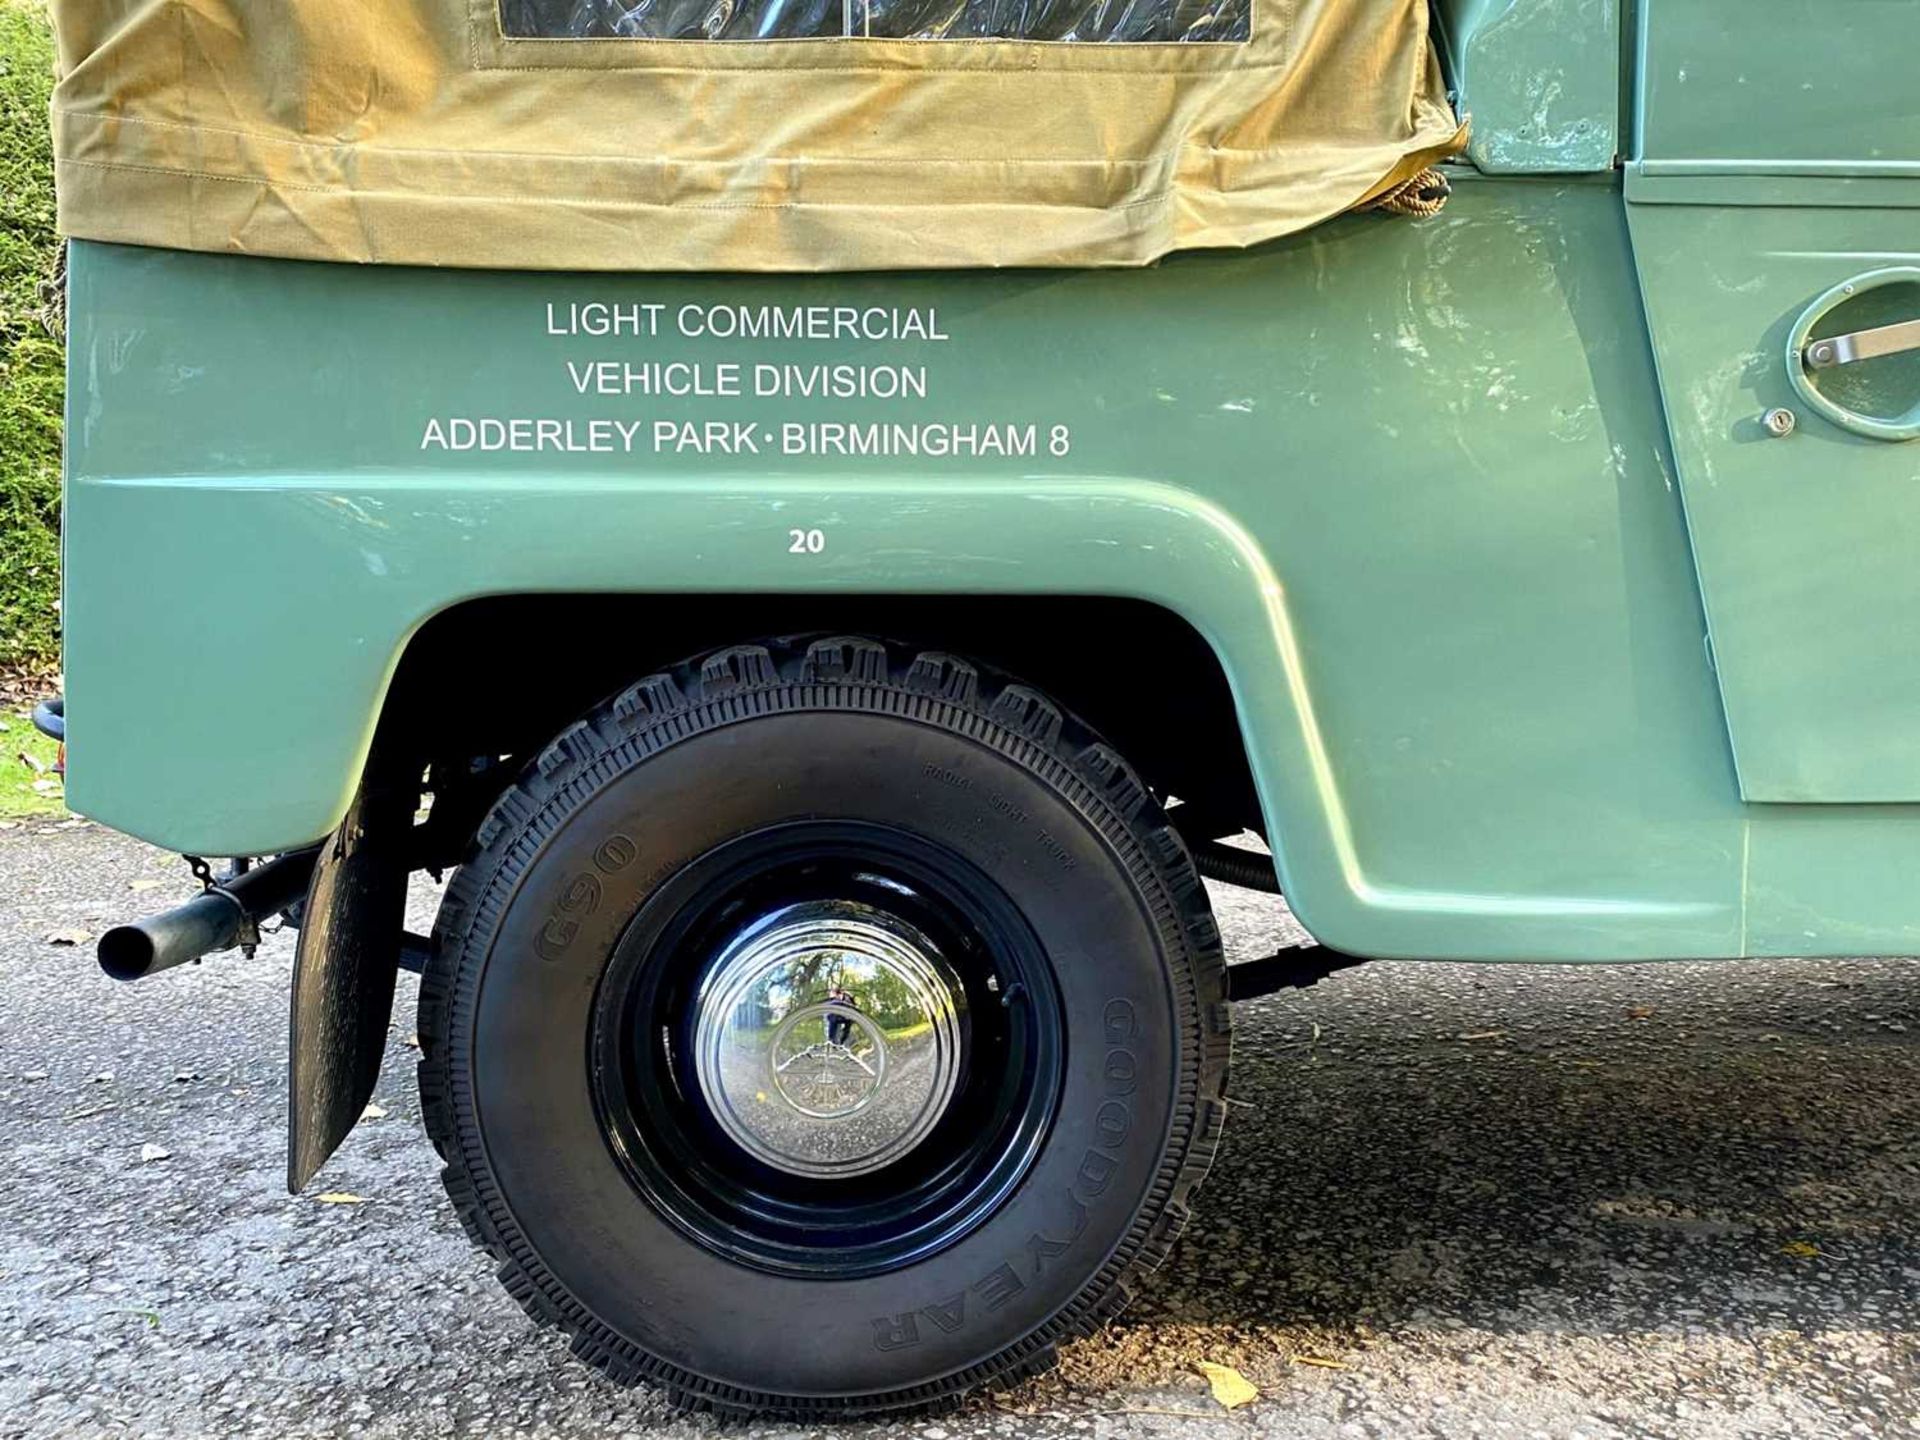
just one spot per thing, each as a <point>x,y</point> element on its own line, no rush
<point>827,1039</point>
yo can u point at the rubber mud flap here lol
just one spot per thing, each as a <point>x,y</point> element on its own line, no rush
<point>344,973</point>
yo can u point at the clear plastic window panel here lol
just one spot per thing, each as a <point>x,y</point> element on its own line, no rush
<point>1072,21</point>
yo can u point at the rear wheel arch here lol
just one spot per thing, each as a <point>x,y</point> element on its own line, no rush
<point>502,675</point>
<point>483,688</point>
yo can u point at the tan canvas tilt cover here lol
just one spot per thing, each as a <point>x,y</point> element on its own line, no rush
<point>734,134</point>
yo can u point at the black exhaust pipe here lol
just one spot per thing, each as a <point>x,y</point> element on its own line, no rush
<point>209,922</point>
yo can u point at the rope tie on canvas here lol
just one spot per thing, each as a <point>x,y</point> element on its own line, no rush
<point>1421,196</point>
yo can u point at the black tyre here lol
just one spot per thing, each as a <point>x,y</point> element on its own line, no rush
<point>823,1029</point>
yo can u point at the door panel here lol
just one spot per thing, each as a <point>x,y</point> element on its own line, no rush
<point>1805,542</point>
<point>1808,545</point>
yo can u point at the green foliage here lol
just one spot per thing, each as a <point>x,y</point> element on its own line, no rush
<point>31,355</point>
<point>28,785</point>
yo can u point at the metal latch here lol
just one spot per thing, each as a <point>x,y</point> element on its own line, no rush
<point>1863,345</point>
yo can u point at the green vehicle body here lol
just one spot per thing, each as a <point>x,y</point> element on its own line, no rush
<point>1541,644</point>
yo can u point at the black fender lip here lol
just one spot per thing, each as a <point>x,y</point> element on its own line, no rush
<point>50,718</point>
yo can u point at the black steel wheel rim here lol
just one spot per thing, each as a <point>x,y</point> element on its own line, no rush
<point>688,1158</point>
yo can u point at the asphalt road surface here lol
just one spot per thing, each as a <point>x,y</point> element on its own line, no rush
<point>1678,1200</point>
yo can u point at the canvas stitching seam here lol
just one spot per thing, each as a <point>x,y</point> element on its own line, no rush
<point>329,147</point>
<point>182,174</point>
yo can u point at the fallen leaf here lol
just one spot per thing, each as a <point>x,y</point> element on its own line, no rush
<point>1639,1012</point>
<point>1800,1249</point>
<point>340,1197</point>
<point>145,884</point>
<point>68,935</point>
<point>150,1153</point>
<point>1230,1388</point>
<point>412,1042</point>
<point>374,1112</point>
<point>1482,1035</point>
<point>1322,1364</point>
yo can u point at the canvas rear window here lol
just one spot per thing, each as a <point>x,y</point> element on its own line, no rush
<point>1060,21</point>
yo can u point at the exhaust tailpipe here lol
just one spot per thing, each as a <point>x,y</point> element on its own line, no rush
<point>209,922</point>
